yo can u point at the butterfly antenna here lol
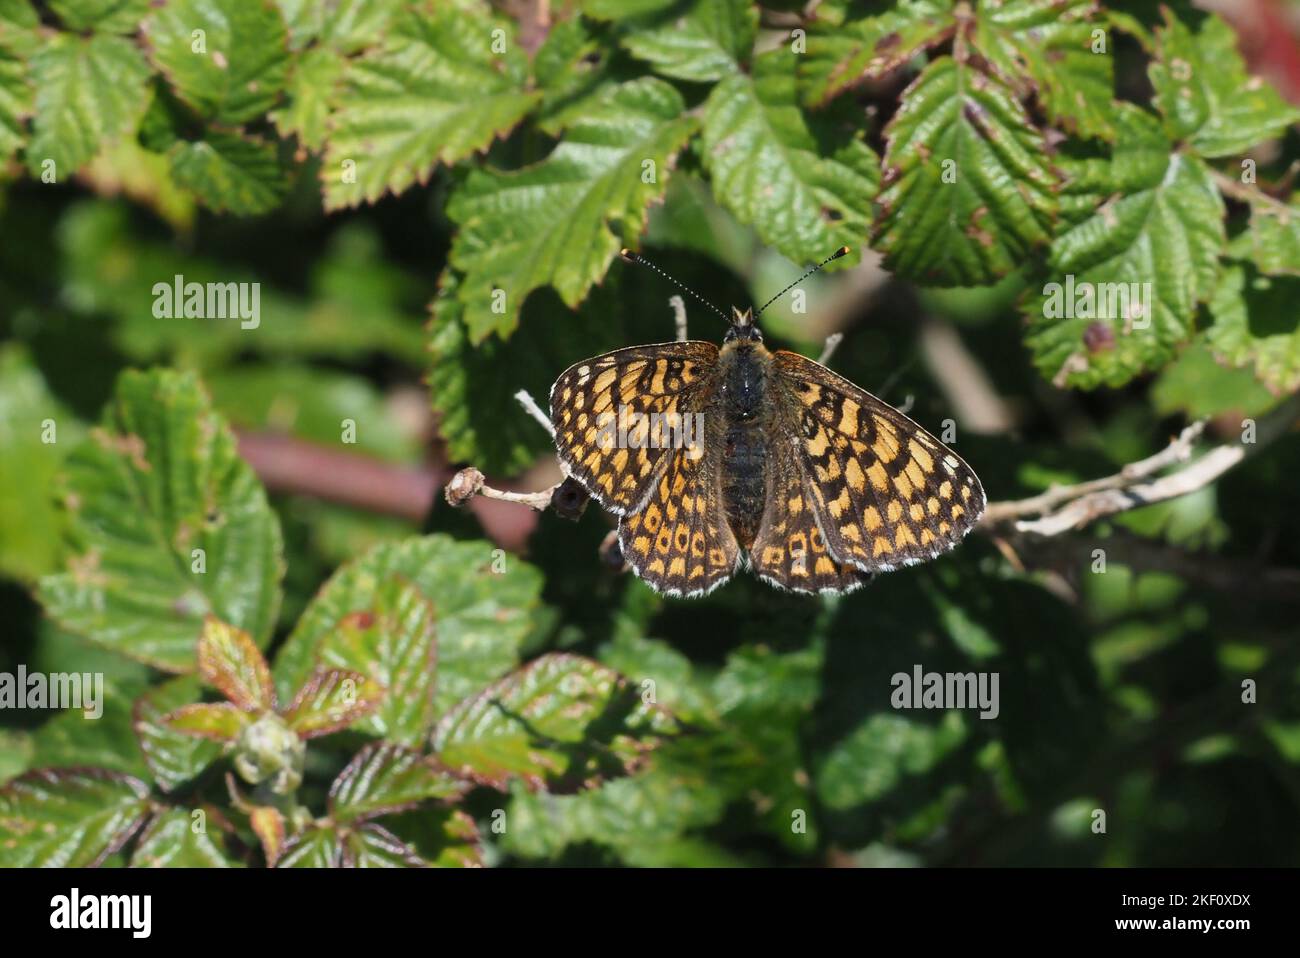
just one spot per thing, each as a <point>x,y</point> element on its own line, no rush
<point>627,254</point>
<point>843,250</point>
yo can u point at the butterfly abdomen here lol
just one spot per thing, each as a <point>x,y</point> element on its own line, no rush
<point>744,369</point>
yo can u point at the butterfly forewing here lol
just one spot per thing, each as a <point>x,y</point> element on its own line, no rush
<point>602,409</point>
<point>886,492</point>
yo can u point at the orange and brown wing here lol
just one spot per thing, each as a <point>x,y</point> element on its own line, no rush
<point>790,549</point>
<point>887,493</point>
<point>590,399</point>
<point>680,542</point>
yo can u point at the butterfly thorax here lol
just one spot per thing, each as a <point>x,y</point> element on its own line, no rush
<point>744,368</point>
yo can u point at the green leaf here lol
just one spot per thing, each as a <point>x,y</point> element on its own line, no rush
<point>1256,326</point>
<point>353,25</point>
<point>1045,49</point>
<point>561,717</point>
<point>68,818</point>
<point>561,222</point>
<point>312,85</point>
<point>218,721</point>
<point>696,40</point>
<point>373,846</point>
<point>159,480</point>
<point>842,55</point>
<point>572,68</point>
<point>483,616</point>
<point>235,70</point>
<point>805,188</point>
<point>968,189</point>
<point>77,737</point>
<point>385,778</point>
<point>877,756</point>
<point>173,757</point>
<point>1197,385</point>
<point>314,848</point>
<point>231,663</point>
<point>393,642</point>
<point>331,700</point>
<point>30,525</point>
<point>1272,241</point>
<point>171,841</point>
<point>16,101</point>
<point>230,173</point>
<point>90,92</point>
<point>1205,94</point>
<point>1164,228</point>
<point>433,92</point>
<point>104,16</point>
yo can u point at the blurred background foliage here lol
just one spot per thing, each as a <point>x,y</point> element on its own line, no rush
<point>1120,691</point>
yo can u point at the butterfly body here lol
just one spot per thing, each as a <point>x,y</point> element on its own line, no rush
<point>809,480</point>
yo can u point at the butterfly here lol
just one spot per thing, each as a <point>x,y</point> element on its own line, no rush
<point>719,457</point>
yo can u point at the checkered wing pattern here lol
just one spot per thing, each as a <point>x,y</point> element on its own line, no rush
<point>885,492</point>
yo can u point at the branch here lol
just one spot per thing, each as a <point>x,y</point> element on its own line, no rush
<point>1063,508</point>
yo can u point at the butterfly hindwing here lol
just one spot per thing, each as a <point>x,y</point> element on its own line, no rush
<point>887,493</point>
<point>679,541</point>
<point>790,549</point>
<point>628,386</point>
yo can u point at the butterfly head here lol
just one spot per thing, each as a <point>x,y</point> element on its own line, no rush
<point>743,327</point>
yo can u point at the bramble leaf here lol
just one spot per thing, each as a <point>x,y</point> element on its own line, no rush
<point>1256,326</point>
<point>1056,51</point>
<point>482,616</point>
<point>68,818</point>
<point>696,40</point>
<point>230,173</point>
<point>331,700</point>
<point>103,16</point>
<point>842,55</point>
<point>217,721</point>
<point>1161,235</point>
<point>173,757</point>
<point>385,778</point>
<point>968,188</point>
<point>804,185</point>
<point>170,840</point>
<point>433,92</point>
<point>560,222</point>
<point>1272,241</point>
<point>394,643</point>
<point>1205,94</point>
<point>90,91</point>
<point>231,663</point>
<point>561,717</point>
<point>167,524</point>
<point>234,69</point>
<point>313,81</point>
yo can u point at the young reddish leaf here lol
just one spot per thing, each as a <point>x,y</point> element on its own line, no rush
<point>268,825</point>
<point>173,757</point>
<point>230,662</point>
<point>219,721</point>
<point>385,778</point>
<point>331,700</point>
